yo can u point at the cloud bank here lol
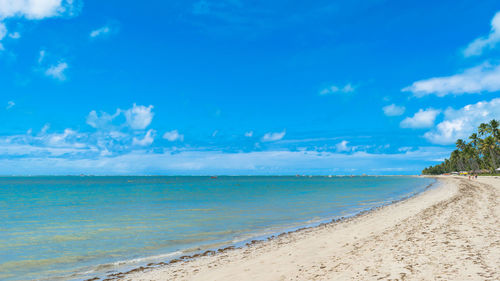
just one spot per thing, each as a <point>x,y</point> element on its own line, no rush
<point>100,32</point>
<point>147,140</point>
<point>478,46</point>
<point>482,78</point>
<point>122,143</point>
<point>57,71</point>
<point>421,119</point>
<point>217,162</point>
<point>273,136</point>
<point>173,136</point>
<point>348,88</point>
<point>139,116</point>
<point>342,146</point>
<point>34,10</point>
<point>393,110</point>
<point>460,123</point>
<point>10,104</point>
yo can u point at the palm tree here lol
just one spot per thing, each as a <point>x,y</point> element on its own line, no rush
<point>460,144</point>
<point>483,129</point>
<point>474,139</point>
<point>455,160</point>
<point>494,129</point>
<point>488,146</point>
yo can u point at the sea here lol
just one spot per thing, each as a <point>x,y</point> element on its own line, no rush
<point>79,227</point>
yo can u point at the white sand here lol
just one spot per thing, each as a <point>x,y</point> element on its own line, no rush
<point>450,233</point>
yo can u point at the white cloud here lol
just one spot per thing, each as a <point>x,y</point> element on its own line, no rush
<point>108,140</point>
<point>41,56</point>
<point>342,146</point>
<point>348,88</point>
<point>57,71</point>
<point>10,105</point>
<point>421,119</point>
<point>93,119</point>
<point>393,110</point>
<point>139,116</point>
<point>45,128</point>
<point>101,121</point>
<point>173,136</point>
<point>146,141</point>
<point>35,9</point>
<point>61,140</point>
<point>460,123</point>
<point>249,134</point>
<point>480,44</point>
<point>100,31</point>
<point>15,35</point>
<point>48,144</point>
<point>405,148</point>
<point>482,78</point>
<point>273,136</point>
<point>3,32</point>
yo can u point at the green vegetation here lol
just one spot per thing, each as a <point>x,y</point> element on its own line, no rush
<point>479,155</point>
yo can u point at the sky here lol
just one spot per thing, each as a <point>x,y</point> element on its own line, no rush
<point>240,87</point>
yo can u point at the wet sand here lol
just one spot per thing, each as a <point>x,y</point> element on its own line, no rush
<point>451,232</point>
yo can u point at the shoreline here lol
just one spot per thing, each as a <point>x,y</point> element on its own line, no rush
<point>448,232</point>
<point>266,212</point>
<point>257,239</point>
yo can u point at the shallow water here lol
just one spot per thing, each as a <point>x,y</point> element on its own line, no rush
<point>59,226</point>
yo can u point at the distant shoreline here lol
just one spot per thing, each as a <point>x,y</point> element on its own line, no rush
<point>209,175</point>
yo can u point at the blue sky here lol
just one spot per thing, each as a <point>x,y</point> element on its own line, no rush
<point>242,87</point>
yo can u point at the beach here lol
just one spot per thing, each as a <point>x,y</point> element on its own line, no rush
<point>86,227</point>
<point>450,232</point>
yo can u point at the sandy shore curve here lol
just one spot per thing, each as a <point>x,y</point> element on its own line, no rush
<point>451,232</point>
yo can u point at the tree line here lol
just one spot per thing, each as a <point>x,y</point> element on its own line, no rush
<point>480,154</point>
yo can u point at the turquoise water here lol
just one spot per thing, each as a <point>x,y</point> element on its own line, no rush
<point>77,227</point>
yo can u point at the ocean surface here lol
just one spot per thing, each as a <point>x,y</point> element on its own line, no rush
<point>65,228</point>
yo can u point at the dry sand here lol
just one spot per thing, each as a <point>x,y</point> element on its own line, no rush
<point>451,232</point>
